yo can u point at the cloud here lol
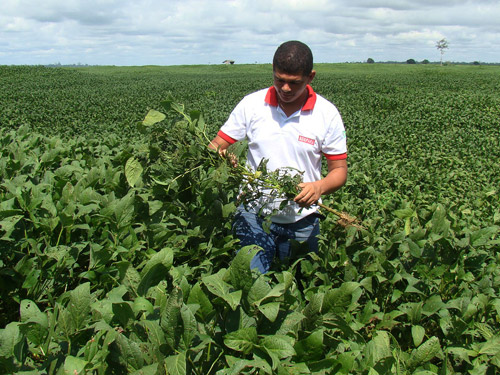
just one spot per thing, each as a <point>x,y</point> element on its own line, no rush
<point>145,32</point>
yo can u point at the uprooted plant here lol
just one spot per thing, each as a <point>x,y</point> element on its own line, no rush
<point>176,151</point>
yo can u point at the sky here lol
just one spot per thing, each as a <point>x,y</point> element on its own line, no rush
<point>186,32</point>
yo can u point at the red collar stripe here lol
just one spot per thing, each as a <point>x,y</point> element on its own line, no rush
<point>272,98</point>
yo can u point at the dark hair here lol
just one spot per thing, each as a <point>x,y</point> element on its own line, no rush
<point>293,57</point>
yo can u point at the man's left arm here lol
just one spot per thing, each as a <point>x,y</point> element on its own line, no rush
<point>334,180</point>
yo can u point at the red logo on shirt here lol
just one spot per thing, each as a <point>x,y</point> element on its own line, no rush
<point>306,140</point>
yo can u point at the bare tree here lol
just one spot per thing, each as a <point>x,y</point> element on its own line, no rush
<point>441,46</point>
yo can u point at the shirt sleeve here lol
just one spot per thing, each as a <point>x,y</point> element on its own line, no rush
<point>335,143</point>
<point>236,125</point>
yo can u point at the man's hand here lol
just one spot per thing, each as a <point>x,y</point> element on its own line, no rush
<point>309,194</point>
<point>233,160</point>
<point>221,145</point>
<point>312,191</point>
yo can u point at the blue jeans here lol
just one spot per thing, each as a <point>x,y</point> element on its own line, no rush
<point>248,228</point>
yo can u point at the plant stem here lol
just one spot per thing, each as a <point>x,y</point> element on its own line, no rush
<point>60,233</point>
<point>344,219</point>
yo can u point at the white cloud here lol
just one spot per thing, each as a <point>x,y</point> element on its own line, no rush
<point>197,31</point>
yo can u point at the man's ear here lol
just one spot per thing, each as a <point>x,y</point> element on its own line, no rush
<point>311,76</point>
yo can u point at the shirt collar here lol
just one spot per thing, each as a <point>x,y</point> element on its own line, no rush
<point>272,98</point>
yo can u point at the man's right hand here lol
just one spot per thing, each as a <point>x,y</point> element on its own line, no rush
<point>220,144</point>
<point>231,158</point>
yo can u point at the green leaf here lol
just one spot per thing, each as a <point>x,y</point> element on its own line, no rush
<point>440,225</point>
<point>154,332</point>
<point>147,370</point>
<point>377,349</point>
<point>239,270</point>
<point>270,310</point>
<point>165,257</point>
<point>217,286</point>
<point>155,270</point>
<point>129,353</point>
<point>153,117</point>
<point>311,348</point>
<point>425,352</point>
<point>65,321</point>
<point>418,334</point>
<point>277,347</point>
<point>239,366</point>
<point>189,324</point>
<point>48,204</point>
<point>133,171</point>
<point>228,209</point>
<point>261,291</point>
<point>197,117</point>
<point>154,206</point>
<point>404,213</point>
<point>79,306</point>
<point>141,304</point>
<point>8,208</point>
<point>347,360</point>
<point>30,312</point>
<point>8,225</point>
<point>260,288</point>
<point>34,323</point>
<point>171,320</point>
<point>237,319</point>
<point>176,364</point>
<point>128,276</point>
<point>94,351</point>
<point>312,311</point>
<point>415,250</point>
<point>242,340</point>
<point>290,323</point>
<point>461,353</point>
<point>74,365</point>
<point>123,313</point>
<point>433,305</point>
<point>124,210</point>
<point>10,339</point>
<point>198,296</point>
<point>293,369</point>
<point>478,368</point>
<point>491,347</point>
<point>414,311</point>
<point>483,236</point>
<point>336,300</point>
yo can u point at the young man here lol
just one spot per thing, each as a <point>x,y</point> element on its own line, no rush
<point>292,127</point>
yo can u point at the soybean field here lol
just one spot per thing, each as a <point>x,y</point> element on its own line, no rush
<point>116,247</point>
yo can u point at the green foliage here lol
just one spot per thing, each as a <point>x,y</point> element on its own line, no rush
<point>116,253</point>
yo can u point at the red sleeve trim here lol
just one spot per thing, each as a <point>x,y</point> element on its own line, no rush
<point>225,137</point>
<point>336,157</point>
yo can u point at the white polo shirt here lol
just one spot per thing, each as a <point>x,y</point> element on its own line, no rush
<point>297,141</point>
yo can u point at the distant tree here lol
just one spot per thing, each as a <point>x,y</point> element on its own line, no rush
<point>476,63</point>
<point>411,61</point>
<point>370,60</point>
<point>425,61</point>
<point>441,46</point>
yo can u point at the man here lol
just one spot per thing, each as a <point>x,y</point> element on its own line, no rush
<point>292,127</point>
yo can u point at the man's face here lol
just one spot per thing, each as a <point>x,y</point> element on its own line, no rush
<point>291,87</point>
